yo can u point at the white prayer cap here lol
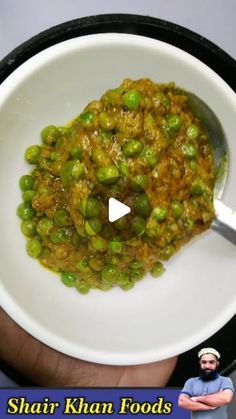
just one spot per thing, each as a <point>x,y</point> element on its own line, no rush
<point>212,351</point>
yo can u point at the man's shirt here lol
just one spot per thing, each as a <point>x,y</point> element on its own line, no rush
<point>197,387</point>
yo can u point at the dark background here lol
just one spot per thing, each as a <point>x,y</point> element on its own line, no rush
<point>210,19</point>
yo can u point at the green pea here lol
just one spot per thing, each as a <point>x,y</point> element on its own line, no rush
<point>174,123</point>
<point>76,153</point>
<point>28,228</point>
<point>130,283</point>
<point>26,182</point>
<point>131,99</point>
<point>153,229</point>
<point>198,187</point>
<point>142,205</point>
<point>193,165</point>
<point>44,190</point>
<point>72,170</point>
<point>136,264</point>
<point>50,134</point>
<point>163,99</point>
<point>132,148</point>
<point>93,226</point>
<point>168,251</point>
<point>25,211</point>
<point>106,135</point>
<point>110,273</point>
<point>189,224</point>
<point>99,244</point>
<point>87,118</point>
<point>157,269</point>
<point>138,225</point>
<point>56,167</point>
<point>123,168</point>
<point>152,233</point>
<point>107,122</point>
<point>159,213</point>
<point>150,156</point>
<point>32,154</point>
<point>65,131</point>
<point>28,196</point>
<point>82,286</point>
<point>189,151</point>
<point>115,246</point>
<point>121,224</point>
<point>62,218</point>
<point>77,170</point>
<point>193,132</point>
<point>44,227</point>
<point>139,183</point>
<point>177,209</point>
<point>34,247</point>
<point>55,156</point>
<point>123,278</point>
<point>100,157</point>
<point>83,265</point>
<point>108,174</point>
<point>91,207</point>
<point>137,274</point>
<point>58,236</point>
<point>68,278</point>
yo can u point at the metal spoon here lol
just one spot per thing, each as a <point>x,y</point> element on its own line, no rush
<point>225,221</point>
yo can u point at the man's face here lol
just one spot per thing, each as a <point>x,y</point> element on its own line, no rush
<point>208,366</point>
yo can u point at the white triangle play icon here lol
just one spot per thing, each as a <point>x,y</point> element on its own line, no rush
<point>116,209</point>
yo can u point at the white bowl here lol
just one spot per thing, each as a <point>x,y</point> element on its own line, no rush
<point>158,318</point>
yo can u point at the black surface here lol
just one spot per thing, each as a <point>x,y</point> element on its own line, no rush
<point>174,34</point>
<point>206,51</point>
<point>223,341</point>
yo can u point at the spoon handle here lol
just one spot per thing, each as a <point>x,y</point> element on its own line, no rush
<point>225,222</point>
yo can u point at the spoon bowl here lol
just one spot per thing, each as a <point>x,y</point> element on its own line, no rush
<point>225,221</point>
<point>158,318</point>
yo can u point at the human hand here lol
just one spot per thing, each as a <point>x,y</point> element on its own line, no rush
<point>46,367</point>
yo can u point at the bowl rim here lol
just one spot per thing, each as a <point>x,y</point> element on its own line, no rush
<point>184,345</point>
<point>176,35</point>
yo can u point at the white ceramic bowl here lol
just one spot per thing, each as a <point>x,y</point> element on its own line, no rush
<point>158,318</point>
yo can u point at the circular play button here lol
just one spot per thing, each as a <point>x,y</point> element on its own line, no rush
<point>117,212</point>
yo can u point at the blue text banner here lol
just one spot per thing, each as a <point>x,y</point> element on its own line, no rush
<point>91,403</point>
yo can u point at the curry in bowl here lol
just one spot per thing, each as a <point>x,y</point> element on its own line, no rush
<point>140,144</point>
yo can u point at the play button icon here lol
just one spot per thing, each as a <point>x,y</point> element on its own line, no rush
<point>116,210</point>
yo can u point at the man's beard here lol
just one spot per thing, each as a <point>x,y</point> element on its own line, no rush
<point>207,375</point>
